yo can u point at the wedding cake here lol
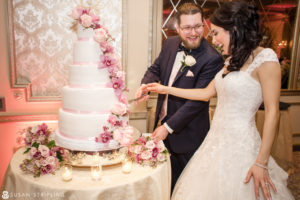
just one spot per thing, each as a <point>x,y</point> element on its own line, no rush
<point>94,113</point>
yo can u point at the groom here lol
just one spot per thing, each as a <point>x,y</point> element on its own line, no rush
<point>185,123</point>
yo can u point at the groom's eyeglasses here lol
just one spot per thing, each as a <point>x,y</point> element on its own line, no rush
<point>188,29</point>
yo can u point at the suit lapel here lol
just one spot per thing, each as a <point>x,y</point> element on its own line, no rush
<point>179,74</point>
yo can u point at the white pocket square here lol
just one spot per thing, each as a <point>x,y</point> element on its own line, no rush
<point>189,74</point>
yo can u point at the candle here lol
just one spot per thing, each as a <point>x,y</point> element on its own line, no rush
<point>66,173</point>
<point>127,165</point>
<point>96,172</point>
<point>96,159</point>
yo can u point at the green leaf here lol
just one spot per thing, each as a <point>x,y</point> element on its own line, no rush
<point>27,150</point>
<point>36,145</point>
<point>59,157</point>
<point>51,144</point>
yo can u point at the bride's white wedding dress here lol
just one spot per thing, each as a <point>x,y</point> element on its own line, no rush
<point>219,167</point>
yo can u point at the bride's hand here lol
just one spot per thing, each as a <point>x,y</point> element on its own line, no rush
<point>261,179</point>
<point>156,87</point>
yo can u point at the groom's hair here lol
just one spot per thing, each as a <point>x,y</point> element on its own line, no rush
<point>188,9</point>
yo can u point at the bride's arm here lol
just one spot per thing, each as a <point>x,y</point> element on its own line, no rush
<point>201,94</point>
<point>269,77</point>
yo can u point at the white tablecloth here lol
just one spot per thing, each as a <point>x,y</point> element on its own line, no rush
<point>143,183</point>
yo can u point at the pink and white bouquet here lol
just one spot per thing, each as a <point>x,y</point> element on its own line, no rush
<point>43,156</point>
<point>146,151</point>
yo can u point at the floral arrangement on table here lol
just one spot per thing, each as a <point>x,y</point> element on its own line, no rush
<point>146,151</point>
<point>117,120</point>
<point>43,156</point>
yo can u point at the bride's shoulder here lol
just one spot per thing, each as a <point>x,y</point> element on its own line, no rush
<point>265,55</point>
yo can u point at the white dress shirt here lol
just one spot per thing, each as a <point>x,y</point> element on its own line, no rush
<point>175,69</point>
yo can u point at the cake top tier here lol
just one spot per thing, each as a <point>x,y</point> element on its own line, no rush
<point>84,33</point>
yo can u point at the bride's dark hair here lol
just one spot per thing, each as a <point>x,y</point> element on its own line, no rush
<point>242,21</point>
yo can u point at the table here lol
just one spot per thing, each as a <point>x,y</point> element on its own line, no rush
<point>143,183</point>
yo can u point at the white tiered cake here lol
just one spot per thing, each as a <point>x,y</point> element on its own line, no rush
<point>88,99</point>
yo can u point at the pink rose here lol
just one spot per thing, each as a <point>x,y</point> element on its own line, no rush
<point>32,151</point>
<point>100,35</point>
<point>137,149</point>
<point>86,20</point>
<point>42,162</point>
<point>51,160</point>
<point>124,135</point>
<point>112,120</point>
<point>146,155</point>
<point>150,144</point>
<point>160,145</point>
<point>44,150</point>
<point>119,109</point>
<point>161,157</point>
<point>34,129</point>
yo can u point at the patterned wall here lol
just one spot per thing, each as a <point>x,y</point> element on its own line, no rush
<point>43,40</point>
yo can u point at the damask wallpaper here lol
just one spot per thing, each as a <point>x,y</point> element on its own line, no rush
<point>43,40</point>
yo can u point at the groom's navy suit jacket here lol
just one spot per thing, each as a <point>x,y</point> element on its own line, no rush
<point>189,119</point>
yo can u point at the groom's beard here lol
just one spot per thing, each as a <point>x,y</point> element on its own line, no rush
<point>191,44</point>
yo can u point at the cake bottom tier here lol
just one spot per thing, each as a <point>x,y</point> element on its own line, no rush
<point>87,144</point>
<point>77,131</point>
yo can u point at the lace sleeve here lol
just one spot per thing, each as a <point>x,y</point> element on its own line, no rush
<point>264,56</point>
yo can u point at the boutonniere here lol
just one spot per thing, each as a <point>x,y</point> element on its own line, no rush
<point>188,61</point>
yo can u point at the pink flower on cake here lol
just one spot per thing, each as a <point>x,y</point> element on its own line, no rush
<point>112,120</point>
<point>105,137</point>
<point>122,98</point>
<point>86,20</point>
<point>119,109</point>
<point>118,83</point>
<point>124,135</point>
<point>75,14</point>
<point>108,60</point>
<point>100,35</point>
<point>107,48</point>
<point>95,18</point>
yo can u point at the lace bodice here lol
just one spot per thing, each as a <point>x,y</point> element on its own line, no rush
<point>239,94</point>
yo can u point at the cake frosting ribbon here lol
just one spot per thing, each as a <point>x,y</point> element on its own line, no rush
<point>86,112</point>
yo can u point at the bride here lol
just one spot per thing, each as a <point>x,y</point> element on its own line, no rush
<point>234,163</point>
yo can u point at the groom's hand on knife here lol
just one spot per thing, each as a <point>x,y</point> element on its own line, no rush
<point>160,133</point>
